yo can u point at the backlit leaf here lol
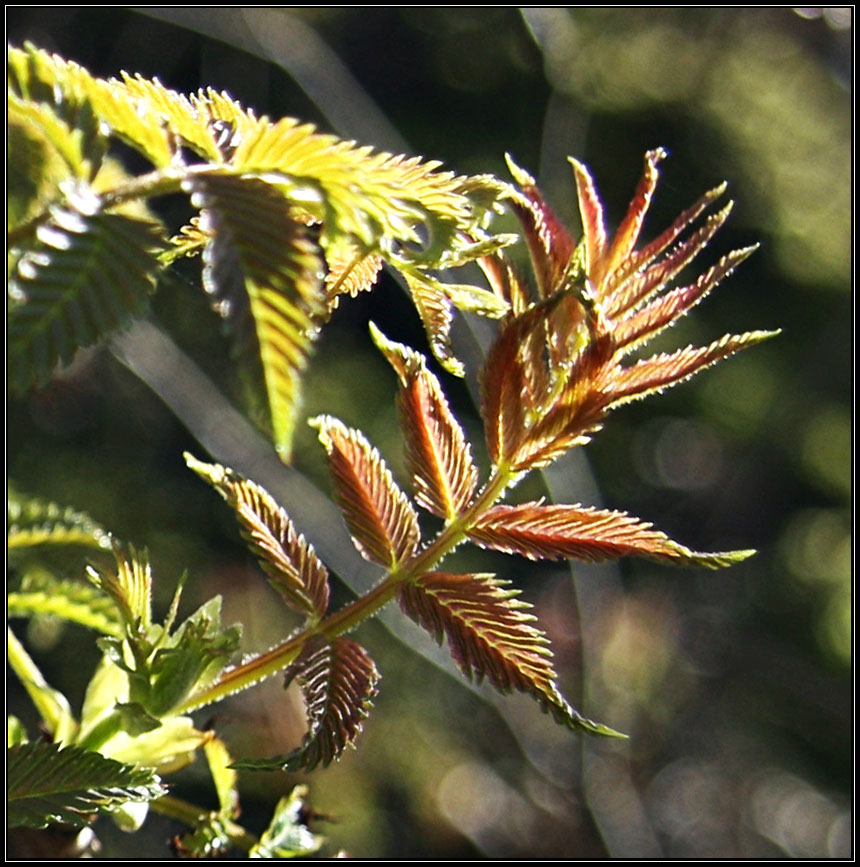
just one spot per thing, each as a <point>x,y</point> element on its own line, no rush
<point>264,274</point>
<point>490,635</point>
<point>288,559</point>
<point>667,369</point>
<point>89,274</point>
<point>383,524</point>
<point>338,681</point>
<point>438,454</point>
<point>288,835</point>
<point>554,532</point>
<point>37,522</point>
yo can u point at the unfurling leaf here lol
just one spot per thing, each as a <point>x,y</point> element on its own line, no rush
<point>383,524</point>
<point>130,587</point>
<point>48,784</point>
<point>263,273</point>
<point>438,454</point>
<point>490,635</point>
<point>555,532</point>
<point>287,558</point>
<point>288,835</point>
<point>338,681</point>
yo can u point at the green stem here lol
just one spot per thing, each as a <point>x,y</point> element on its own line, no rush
<point>281,655</point>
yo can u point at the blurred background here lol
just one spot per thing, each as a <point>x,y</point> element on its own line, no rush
<point>735,687</point>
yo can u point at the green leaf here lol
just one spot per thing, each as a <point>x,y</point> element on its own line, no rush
<point>48,784</point>
<point>57,95</point>
<point>210,838</point>
<point>263,273</point>
<point>33,522</point>
<point>89,275</point>
<point>288,835</point>
<point>130,587</point>
<point>16,734</point>
<point>38,75</point>
<point>194,656</point>
<point>69,600</point>
<point>52,705</point>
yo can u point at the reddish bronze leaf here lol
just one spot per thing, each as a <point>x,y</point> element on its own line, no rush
<point>293,568</point>
<point>593,221</point>
<point>555,532</point>
<point>628,232</point>
<point>490,635</point>
<point>666,309</point>
<point>438,454</point>
<point>383,523</point>
<point>643,285</point>
<point>550,244</point>
<point>638,260</point>
<point>662,371</point>
<point>338,681</point>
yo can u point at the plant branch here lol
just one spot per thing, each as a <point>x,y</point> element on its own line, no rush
<point>267,664</point>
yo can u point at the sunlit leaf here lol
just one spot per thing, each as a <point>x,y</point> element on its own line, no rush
<point>293,568</point>
<point>381,519</point>
<point>175,110</point>
<point>288,835</point>
<point>47,784</point>
<point>130,587</point>
<point>667,369</point>
<point>41,75</point>
<point>263,273</point>
<point>491,635</point>
<point>550,244</point>
<point>438,454</point>
<point>33,522</point>
<point>74,601</point>
<point>338,681</point>
<point>665,310</point>
<point>555,532</point>
<point>89,274</point>
<point>52,705</point>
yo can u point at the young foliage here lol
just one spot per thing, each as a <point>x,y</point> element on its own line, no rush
<point>383,524</point>
<point>290,221</point>
<point>293,568</point>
